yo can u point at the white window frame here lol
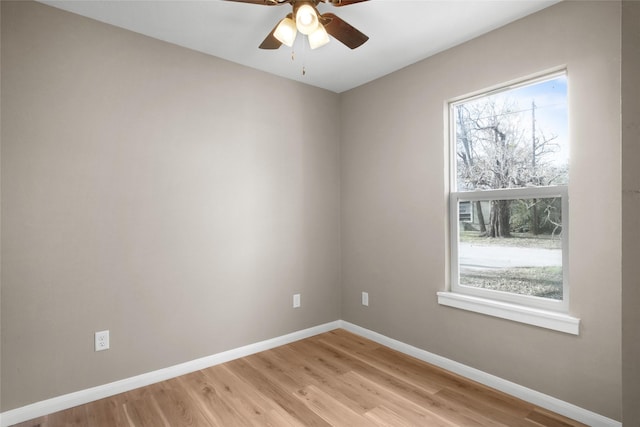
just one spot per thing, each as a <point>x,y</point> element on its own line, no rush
<point>543,312</point>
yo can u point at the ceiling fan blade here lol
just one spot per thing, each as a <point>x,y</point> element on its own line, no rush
<point>342,31</point>
<point>263,2</point>
<point>338,3</point>
<point>270,42</point>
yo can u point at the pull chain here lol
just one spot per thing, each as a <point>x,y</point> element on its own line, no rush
<point>304,56</point>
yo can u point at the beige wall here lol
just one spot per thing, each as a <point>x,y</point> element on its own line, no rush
<point>394,205</point>
<point>180,200</point>
<point>176,199</point>
<point>631,212</point>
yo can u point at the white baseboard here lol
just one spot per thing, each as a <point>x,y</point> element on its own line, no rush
<point>81,397</point>
<point>539,399</point>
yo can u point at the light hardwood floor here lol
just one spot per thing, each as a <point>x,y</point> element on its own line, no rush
<point>333,379</point>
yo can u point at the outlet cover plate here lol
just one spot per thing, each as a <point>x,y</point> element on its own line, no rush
<point>296,300</point>
<point>102,341</point>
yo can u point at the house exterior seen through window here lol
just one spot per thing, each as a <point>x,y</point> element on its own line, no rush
<point>509,199</point>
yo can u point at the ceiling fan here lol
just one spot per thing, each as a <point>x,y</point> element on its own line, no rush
<point>306,19</point>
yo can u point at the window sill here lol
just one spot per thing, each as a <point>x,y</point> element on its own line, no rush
<point>532,316</point>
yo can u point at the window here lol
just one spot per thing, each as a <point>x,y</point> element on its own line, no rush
<point>509,198</point>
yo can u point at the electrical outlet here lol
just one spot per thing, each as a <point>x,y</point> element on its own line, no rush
<point>365,299</point>
<point>296,300</point>
<point>102,340</point>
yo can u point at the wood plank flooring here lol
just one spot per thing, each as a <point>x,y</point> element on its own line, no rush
<point>333,379</point>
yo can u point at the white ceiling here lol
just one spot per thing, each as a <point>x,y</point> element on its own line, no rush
<point>401,32</point>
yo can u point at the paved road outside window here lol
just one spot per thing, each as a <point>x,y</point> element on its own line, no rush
<point>479,256</point>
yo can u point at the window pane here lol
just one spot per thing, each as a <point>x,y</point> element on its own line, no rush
<point>512,246</point>
<point>514,138</point>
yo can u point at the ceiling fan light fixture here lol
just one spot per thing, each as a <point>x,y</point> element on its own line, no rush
<point>306,19</point>
<point>318,38</point>
<point>286,32</point>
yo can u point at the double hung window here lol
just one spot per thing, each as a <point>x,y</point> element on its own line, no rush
<point>508,199</point>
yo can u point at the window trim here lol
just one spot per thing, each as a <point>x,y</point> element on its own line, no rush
<point>542,312</point>
<point>560,322</point>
